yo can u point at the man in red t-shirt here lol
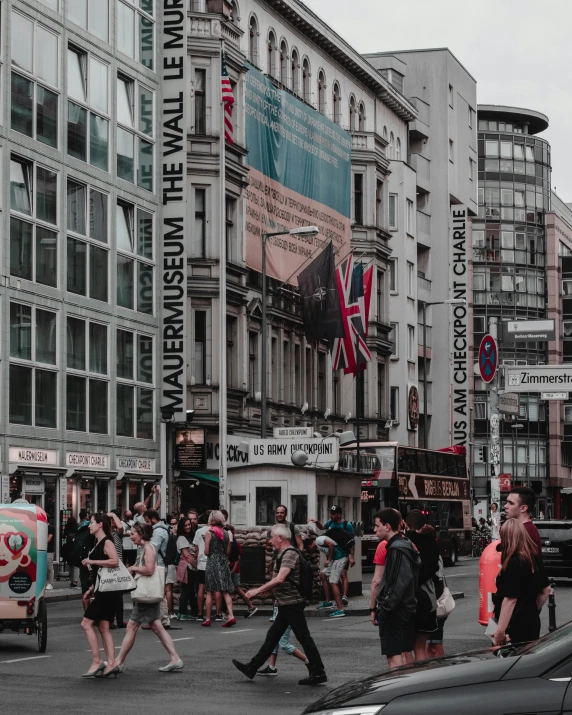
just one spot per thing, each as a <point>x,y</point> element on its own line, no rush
<point>519,505</point>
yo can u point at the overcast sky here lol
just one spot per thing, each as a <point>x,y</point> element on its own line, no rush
<point>519,52</point>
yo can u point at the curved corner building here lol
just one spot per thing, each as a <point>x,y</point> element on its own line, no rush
<point>510,283</point>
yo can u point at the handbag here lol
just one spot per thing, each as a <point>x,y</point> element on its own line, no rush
<point>149,589</point>
<point>445,603</point>
<point>117,579</point>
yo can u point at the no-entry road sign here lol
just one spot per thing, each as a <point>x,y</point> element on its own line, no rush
<point>488,358</point>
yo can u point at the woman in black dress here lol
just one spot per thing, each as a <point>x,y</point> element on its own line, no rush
<point>522,587</point>
<point>102,609</point>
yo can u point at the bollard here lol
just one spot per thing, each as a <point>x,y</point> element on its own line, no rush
<point>552,609</point>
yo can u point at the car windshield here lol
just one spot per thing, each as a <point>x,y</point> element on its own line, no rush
<point>550,641</point>
<point>557,532</point>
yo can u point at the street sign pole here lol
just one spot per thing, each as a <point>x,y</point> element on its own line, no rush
<point>494,422</point>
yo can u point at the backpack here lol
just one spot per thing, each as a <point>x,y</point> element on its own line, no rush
<point>171,555</point>
<point>81,545</point>
<point>342,537</point>
<point>306,585</point>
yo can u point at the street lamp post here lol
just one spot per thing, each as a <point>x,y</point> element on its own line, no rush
<point>303,231</point>
<point>453,301</point>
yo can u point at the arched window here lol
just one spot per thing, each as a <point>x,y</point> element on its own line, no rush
<point>306,79</point>
<point>337,104</point>
<point>284,62</point>
<point>352,113</point>
<point>253,40</point>
<point>295,71</point>
<point>271,65</point>
<point>398,149</point>
<point>361,123</point>
<point>234,13</point>
<point>385,133</point>
<point>321,92</point>
<point>391,140</point>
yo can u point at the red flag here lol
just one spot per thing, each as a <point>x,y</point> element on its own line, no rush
<point>228,102</point>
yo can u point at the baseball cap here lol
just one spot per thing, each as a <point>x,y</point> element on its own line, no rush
<point>335,509</point>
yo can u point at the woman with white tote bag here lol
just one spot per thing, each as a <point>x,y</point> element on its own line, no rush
<point>147,599</point>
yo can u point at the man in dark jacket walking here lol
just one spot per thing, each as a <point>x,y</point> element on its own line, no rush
<point>396,601</point>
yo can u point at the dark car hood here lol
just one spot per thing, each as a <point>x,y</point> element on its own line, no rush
<point>474,667</point>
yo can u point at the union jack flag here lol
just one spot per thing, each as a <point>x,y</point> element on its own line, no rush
<point>228,102</point>
<point>354,287</point>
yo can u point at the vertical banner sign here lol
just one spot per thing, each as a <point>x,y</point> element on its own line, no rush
<point>173,171</point>
<point>458,277</point>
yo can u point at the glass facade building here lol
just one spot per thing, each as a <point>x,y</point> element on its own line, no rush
<point>510,283</point>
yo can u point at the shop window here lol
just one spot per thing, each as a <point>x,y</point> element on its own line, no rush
<point>135,252</point>
<point>33,378</point>
<point>33,220</point>
<point>135,394</point>
<point>136,30</point>
<point>135,132</point>
<point>92,15</point>
<point>88,108</point>
<point>34,80</point>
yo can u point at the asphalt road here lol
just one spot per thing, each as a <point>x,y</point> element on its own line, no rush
<point>209,684</point>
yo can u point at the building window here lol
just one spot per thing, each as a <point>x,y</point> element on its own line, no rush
<point>358,199</point>
<point>34,81</point>
<point>252,363</point>
<point>295,71</point>
<point>33,220</point>
<point>410,280</point>
<point>53,4</point>
<point>394,404</point>
<point>267,501</point>
<point>135,30</point>
<point>306,81</point>
<point>134,257</point>
<point>271,66</point>
<point>393,275</point>
<point>380,295</point>
<point>471,117</point>
<point>321,92</point>
<point>398,149</point>
<point>451,95</point>
<point>134,385</point>
<point>381,390</point>
<point>394,338</point>
<point>200,100</point>
<point>379,204</point>
<point>87,362</point>
<point>200,227</point>
<point>492,149</point>
<point>393,211</point>
<point>253,40</point>
<point>361,117</point>
<point>471,169</point>
<point>87,241</point>
<point>284,63</point>
<point>410,342</point>
<point>232,253</point>
<point>135,132</point>
<point>200,353</point>
<point>337,100</point>
<point>353,114</point>
<point>391,145</point>
<point>451,151</point>
<point>88,108</point>
<point>231,352</point>
<point>92,15</point>
<point>409,227</point>
<point>33,393</point>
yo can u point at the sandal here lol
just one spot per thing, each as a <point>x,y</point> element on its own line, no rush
<point>206,624</point>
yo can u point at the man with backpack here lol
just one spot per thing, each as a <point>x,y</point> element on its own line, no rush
<point>81,547</point>
<point>160,541</point>
<point>291,584</point>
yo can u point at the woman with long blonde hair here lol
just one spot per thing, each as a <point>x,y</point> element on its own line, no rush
<point>522,586</point>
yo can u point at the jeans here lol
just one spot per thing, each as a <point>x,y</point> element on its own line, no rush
<point>188,597</point>
<point>285,644</point>
<point>289,616</point>
<point>50,568</point>
<point>72,570</point>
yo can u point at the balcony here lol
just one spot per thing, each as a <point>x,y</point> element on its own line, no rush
<point>424,228</point>
<point>363,141</point>
<point>213,26</point>
<point>423,288</point>
<point>422,167</point>
<point>419,128</point>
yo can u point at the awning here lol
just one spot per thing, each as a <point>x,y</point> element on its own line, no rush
<point>149,476</point>
<point>210,479</point>
<point>91,474</point>
<point>21,470</point>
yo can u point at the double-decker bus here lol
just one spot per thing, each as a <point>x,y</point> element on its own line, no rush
<point>407,478</point>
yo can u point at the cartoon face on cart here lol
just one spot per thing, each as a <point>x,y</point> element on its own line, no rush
<point>15,546</point>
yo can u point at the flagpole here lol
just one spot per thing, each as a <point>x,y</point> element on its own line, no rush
<point>358,401</point>
<point>222,416</point>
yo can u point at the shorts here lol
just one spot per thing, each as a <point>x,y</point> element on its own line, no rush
<point>171,574</point>
<point>146,612</point>
<point>425,618</point>
<point>396,632</point>
<point>437,636</point>
<point>235,578</point>
<point>201,577</point>
<point>334,569</point>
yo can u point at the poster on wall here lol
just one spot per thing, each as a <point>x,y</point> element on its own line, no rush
<point>190,450</point>
<point>300,175</point>
<point>18,552</point>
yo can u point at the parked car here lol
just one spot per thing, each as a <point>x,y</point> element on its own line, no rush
<point>530,678</point>
<point>556,538</point>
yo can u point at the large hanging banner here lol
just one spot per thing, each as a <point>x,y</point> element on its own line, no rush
<point>300,175</point>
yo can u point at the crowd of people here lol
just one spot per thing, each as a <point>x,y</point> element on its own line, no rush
<point>201,562</point>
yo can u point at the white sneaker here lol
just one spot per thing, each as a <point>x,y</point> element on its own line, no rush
<point>49,587</point>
